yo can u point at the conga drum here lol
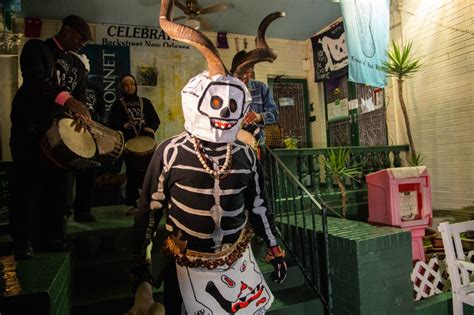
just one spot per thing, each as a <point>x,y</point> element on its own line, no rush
<point>69,148</point>
<point>138,153</point>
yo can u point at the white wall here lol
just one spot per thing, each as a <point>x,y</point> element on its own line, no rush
<point>9,84</point>
<point>440,98</point>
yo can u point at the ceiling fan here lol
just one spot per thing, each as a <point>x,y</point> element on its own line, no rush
<point>194,13</point>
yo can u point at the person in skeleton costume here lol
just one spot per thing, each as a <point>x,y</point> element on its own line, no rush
<point>212,188</point>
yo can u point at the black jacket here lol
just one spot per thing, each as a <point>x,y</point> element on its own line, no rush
<point>119,116</point>
<point>47,71</point>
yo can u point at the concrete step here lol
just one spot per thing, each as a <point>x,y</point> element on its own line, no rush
<point>101,252</point>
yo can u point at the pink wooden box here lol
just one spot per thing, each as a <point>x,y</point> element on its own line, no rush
<point>401,197</point>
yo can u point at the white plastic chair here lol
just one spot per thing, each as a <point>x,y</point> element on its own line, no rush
<point>458,267</point>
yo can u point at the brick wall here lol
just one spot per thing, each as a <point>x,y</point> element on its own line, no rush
<point>370,268</point>
<point>440,98</point>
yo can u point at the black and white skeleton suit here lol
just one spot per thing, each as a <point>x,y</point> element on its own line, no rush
<point>209,212</point>
<point>211,188</point>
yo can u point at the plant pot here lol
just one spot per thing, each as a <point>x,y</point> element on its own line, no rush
<point>467,239</point>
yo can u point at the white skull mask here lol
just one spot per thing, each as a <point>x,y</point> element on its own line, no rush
<point>214,107</point>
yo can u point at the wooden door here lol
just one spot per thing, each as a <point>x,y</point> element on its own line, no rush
<point>291,96</point>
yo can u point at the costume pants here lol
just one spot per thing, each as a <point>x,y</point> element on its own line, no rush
<point>38,193</point>
<point>84,191</point>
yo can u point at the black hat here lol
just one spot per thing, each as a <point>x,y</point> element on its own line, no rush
<point>81,26</point>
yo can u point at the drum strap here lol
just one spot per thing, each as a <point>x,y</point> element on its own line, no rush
<point>124,104</point>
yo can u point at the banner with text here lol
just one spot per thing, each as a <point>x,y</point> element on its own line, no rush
<point>330,53</point>
<point>135,36</point>
<point>367,30</point>
<point>108,64</point>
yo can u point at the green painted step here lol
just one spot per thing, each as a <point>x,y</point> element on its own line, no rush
<point>294,301</point>
<point>100,279</point>
<point>36,286</point>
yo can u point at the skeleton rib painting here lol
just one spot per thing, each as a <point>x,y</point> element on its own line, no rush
<point>211,188</point>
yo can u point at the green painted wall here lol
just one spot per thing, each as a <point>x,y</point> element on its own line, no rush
<point>370,268</point>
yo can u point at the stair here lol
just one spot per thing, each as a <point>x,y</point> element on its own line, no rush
<point>100,283</point>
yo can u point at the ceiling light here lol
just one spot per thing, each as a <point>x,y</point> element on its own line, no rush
<point>193,23</point>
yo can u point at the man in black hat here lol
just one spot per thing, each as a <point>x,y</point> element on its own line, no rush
<point>54,82</point>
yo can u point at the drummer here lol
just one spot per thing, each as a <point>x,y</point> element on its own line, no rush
<point>263,110</point>
<point>54,81</point>
<point>134,116</point>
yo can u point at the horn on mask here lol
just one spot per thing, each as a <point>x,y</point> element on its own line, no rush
<point>262,52</point>
<point>192,37</point>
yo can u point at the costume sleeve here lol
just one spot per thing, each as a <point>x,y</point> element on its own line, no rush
<point>256,201</point>
<point>270,109</point>
<point>151,117</point>
<point>153,200</point>
<point>36,70</point>
<point>99,105</point>
<point>80,91</point>
<point>116,118</point>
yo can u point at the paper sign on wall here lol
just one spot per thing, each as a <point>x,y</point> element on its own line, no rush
<point>286,101</point>
<point>338,109</point>
<point>408,205</point>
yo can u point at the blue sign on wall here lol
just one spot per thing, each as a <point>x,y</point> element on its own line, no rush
<point>10,5</point>
<point>366,23</point>
<point>108,64</point>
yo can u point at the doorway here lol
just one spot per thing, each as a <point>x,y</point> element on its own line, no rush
<point>291,96</point>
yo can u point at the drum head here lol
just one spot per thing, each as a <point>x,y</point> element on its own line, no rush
<point>247,138</point>
<point>81,143</point>
<point>140,145</point>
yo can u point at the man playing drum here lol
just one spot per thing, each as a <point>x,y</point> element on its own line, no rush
<point>136,117</point>
<point>54,81</point>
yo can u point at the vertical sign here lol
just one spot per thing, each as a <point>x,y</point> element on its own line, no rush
<point>108,64</point>
<point>367,28</point>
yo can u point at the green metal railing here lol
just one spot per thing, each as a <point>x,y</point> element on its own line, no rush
<point>299,189</point>
<point>301,219</point>
<point>304,164</point>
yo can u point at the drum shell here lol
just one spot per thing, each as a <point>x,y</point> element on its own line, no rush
<point>138,161</point>
<point>273,136</point>
<point>110,147</point>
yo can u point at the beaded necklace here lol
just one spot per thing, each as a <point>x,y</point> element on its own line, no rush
<point>224,170</point>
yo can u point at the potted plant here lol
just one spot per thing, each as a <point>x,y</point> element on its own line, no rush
<point>338,165</point>
<point>402,65</point>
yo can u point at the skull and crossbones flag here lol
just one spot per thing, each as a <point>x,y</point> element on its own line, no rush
<point>330,53</point>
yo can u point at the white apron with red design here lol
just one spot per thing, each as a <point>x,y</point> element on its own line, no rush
<point>239,289</point>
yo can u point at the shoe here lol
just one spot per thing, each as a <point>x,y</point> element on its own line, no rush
<point>84,217</point>
<point>23,251</point>
<point>131,210</point>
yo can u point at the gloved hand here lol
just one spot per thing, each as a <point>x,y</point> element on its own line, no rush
<point>144,304</point>
<point>276,256</point>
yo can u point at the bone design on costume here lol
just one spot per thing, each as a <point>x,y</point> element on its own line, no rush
<point>211,187</point>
